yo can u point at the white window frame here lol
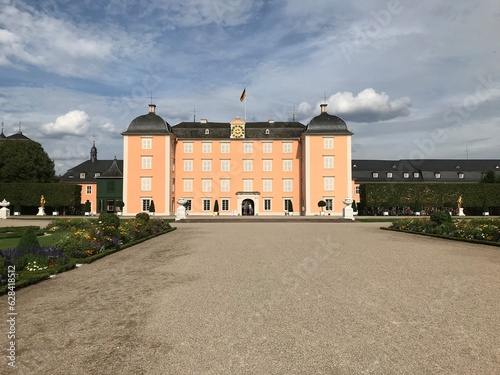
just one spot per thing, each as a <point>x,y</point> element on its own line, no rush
<point>329,204</point>
<point>225,148</point>
<point>206,147</point>
<point>388,174</point>
<point>328,183</point>
<point>268,204</point>
<point>287,147</point>
<point>267,185</point>
<point>416,174</point>
<point>89,189</point>
<point>224,204</point>
<point>247,165</point>
<point>188,165</point>
<point>188,147</point>
<point>287,185</point>
<point>247,147</point>
<point>375,174</point>
<point>206,185</point>
<point>147,143</point>
<point>287,165</point>
<point>145,204</point>
<point>267,165</point>
<point>225,185</point>
<point>225,165</point>
<point>187,184</point>
<point>267,147</point>
<point>146,183</point>
<point>328,143</point>
<point>206,204</point>
<point>206,165</point>
<point>328,161</point>
<point>247,184</point>
<point>82,174</point>
<point>357,190</point>
<point>146,162</point>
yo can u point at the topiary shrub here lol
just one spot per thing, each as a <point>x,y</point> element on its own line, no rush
<point>143,216</point>
<point>441,217</point>
<point>28,239</point>
<point>109,219</point>
<point>152,208</point>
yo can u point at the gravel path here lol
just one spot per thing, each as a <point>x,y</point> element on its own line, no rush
<point>268,298</point>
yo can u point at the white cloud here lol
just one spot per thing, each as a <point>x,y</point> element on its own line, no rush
<point>72,123</point>
<point>368,106</point>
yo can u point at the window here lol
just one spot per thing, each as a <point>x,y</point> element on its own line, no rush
<point>437,175</point>
<point>416,174</point>
<point>89,190</point>
<point>147,162</point>
<point>406,175</point>
<point>375,174</point>
<point>224,148</point>
<point>97,174</point>
<point>267,147</point>
<point>328,183</point>
<point>224,165</point>
<point>328,143</point>
<point>225,204</point>
<point>206,147</point>
<point>287,203</point>
<point>329,204</point>
<point>287,165</point>
<point>206,204</point>
<point>188,147</point>
<point>287,185</point>
<point>188,204</point>
<point>146,202</point>
<point>357,190</point>
<point>188,165</point>
<point>287,147</point>
<point>461,175</point>
<point>82,175</point>
<point>145,183</point>
<point>147,143</point>
<point>206,165</point>
<point>267,185</point>
<point>267,204</point>
<point>247,148</point>
<point>328,162</point>
<point>247,185</point>
<point>247,165</point>
<point>267,131</point>
<point>188,185</point>
<point>207,131</point>
<point>225,185</point>
<point>267,165</point>
<point>388,174</point>
<point>206,185</point>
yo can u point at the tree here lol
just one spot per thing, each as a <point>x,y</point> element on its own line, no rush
<point>321,204</point>
<point>354,206</point>
<point>87,206</point>
<point>216,207</point>
<point>290,206</point>
<point>490,178</point>
<point>25,161</point>
<point>152,207</point>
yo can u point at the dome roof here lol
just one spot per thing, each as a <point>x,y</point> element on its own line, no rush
<point>149,124</point>
<point>325,123</point>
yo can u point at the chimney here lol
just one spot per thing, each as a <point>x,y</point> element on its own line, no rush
<point>152,108</point>
<point>323,108</point>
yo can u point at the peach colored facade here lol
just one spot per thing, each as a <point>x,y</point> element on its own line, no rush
<point>89,192</point>
<point>247,168</point>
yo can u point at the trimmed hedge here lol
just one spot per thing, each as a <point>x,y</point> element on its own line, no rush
<point>28,194</point>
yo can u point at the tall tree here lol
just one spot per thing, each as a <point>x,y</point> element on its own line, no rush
<point>25,161</point>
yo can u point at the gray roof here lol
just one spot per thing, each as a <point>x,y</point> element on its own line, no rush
<point>90,169</point>
<point>114,171</point>
<point>428,170</point>
<point>19,136</point>
<point>150,123</point>
<point>325,123</point>
<point>253,130</point>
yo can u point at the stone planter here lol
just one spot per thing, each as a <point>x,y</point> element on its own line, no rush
<point>486,214</point>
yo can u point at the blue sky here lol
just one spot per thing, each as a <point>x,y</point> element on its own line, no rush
<point>411,79</point>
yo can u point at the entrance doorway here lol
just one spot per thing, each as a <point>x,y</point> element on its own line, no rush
<point>247,207</point>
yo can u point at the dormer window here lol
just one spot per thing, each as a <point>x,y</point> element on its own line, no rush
<point>97,174</point>
<point>406,175</point>
<point>416,174</point>
<point>389,174</point>
<point>375,174</point>
<point>267,131</point>
<point>437,174</point>
<point>82,175</point>
<point>461,175</point>
<point>207,131</point>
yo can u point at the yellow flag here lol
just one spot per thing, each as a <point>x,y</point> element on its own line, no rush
<point>243,95</point>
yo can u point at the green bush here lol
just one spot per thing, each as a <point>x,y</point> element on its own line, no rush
<point>143,216</point>
<point>109,219</point>
<point>28,239</point>
<point>441,217</point>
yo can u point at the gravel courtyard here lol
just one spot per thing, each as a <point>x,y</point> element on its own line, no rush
<point>268,298</point>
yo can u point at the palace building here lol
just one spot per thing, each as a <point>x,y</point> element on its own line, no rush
<point>244,168</point>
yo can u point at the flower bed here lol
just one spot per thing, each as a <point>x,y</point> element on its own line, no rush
<point>83,241</point>
<point>485,231</point>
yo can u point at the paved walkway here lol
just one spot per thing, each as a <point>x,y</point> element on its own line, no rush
<point>268,298</point>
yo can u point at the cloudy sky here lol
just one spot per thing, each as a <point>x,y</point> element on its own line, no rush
<point>412,79</point>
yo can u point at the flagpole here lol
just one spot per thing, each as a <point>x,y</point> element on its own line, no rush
<point>245,107</point>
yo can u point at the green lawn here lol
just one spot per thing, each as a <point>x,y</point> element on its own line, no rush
<point>52,239</point>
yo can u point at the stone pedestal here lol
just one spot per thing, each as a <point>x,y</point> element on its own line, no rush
<point>461,211</point>
<point>180,213</point>
<point>41,211</point>
<point>347,212</point>
<point>4,211</point>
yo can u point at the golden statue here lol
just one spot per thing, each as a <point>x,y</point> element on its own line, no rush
<point>42,201</point>
<point>459,201</point>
